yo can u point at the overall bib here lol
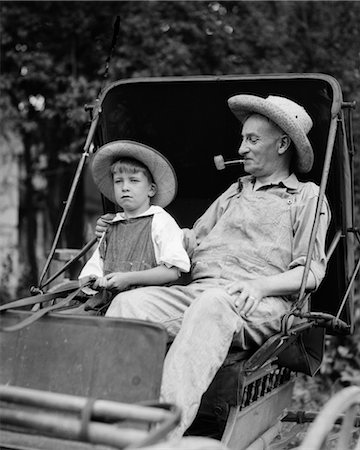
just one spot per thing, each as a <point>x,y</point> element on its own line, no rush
<point>128,246</point>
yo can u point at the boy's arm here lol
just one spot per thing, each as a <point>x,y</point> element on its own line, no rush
<point>119,281</point>
<point>94,266</point>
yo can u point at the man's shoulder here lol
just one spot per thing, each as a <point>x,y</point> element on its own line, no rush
<point>303,188</point>
<point>308,189</point>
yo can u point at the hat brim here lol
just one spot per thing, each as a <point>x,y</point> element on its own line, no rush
<point>242,105</point>
<point>160,168</point>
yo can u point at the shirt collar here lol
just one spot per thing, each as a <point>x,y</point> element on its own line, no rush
<point>290,182</point>
<point>149,212</point>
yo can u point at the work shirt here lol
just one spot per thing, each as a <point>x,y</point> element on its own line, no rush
<point>248,233</point>
<point>166,237</point>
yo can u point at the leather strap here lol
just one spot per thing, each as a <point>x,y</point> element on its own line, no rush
<point>41,298</point>
<point>74,286</point>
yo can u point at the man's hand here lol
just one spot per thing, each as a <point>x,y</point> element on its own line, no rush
<point>117,281</point>
<point>248,295</point>
<point>189,241</point>
<point>102,224</point>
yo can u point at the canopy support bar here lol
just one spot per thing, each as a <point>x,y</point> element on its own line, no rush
<point>325,174</point>
<point>86,153</point>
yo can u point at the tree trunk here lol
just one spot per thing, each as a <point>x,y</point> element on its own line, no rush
<point>11,146</point>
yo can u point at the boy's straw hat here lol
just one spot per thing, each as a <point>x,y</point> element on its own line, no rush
<point>159,167</point>
<point>288,115</point>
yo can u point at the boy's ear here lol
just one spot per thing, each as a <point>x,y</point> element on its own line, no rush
<point>284,144</point>
<point>152,190</point>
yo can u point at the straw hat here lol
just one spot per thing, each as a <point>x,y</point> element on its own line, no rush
<point>159,167</point>
<point>288,115</point>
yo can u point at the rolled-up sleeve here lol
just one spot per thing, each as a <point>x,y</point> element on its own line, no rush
<point>168,243</point>
<point>303,215</point>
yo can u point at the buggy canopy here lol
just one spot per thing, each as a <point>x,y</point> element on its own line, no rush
<point>188,120</point>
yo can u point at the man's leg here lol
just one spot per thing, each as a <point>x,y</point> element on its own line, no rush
<point>200,348</point>
<point>198,351</point>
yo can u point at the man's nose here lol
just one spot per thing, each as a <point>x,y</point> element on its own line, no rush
<point>243,148</point>
<point>125,186</point>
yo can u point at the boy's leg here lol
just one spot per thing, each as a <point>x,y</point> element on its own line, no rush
<point>160,304</point>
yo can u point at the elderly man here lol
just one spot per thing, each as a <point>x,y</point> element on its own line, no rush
<point>248,252</point>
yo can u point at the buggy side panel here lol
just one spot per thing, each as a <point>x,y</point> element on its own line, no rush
<point>85,356</point>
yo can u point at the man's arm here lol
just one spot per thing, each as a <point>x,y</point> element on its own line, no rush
<point>211,216</point>
<point>251,292</point>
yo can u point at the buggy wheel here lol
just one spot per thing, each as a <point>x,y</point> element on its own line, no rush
<point>345,404</point>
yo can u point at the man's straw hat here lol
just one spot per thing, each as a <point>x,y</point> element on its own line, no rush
<point>286,114</point>
<point>159,167</point>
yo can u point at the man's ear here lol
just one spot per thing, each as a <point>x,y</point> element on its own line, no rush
<point>152,190</point>
<point>284,144</point>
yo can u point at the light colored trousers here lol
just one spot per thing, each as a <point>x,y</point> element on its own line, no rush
<point>204,322</point>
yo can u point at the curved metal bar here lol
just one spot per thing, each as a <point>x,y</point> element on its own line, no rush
<point>350,286</point>
<point>71,194</point>
<point>325,174</point>
<point>48,417</point>
<point>345,402</point>
<point>334,244</point>
<point>102,409</point>
<point>72,260</point>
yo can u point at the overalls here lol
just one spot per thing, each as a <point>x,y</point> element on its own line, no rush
<point>253,238</point>
<point>127,247</point>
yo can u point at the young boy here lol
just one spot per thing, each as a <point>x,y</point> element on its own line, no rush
<point>143,245</point>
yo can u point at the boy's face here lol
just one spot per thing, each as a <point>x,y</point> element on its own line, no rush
<point>133,192</point>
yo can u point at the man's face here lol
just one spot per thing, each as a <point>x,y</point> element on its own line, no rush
<point>260,146</point>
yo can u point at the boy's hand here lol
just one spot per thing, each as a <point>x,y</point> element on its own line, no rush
<point>88,282</point>
<point>87,279</point>
<point>117,281</point>
<point>102,224</point>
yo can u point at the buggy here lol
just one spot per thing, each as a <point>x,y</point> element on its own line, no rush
<point>187,119</point>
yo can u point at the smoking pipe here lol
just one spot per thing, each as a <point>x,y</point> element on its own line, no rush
<point>220,163</point>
